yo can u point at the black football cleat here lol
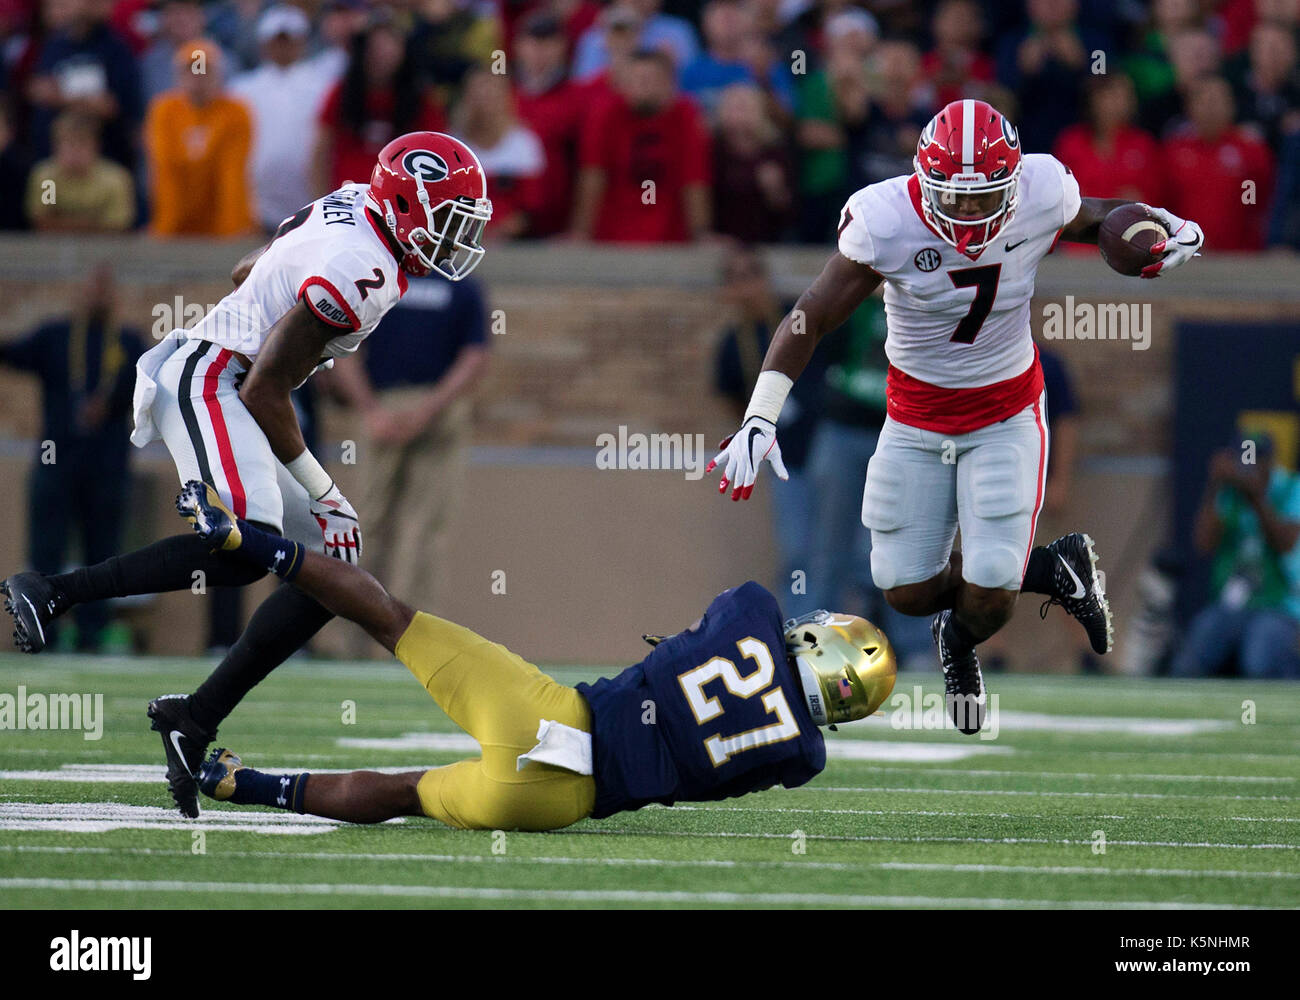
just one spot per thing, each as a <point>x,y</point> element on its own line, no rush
<point>217,775</point>
<point>184,743</point>
<point>1079,589</point>
<point>963,684</point>
<point>34,603</point>
<point>200,504</point>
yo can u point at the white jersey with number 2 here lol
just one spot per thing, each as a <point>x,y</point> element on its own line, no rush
<point>331,255</point>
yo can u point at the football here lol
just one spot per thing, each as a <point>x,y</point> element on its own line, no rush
<point>1127,234</point>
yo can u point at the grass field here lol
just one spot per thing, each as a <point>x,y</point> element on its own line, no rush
<point>1197,808</point>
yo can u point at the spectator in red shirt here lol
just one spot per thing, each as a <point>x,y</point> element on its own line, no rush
<point>1218,172</point>
<point>511,154</point>
<point>553,107</point>
<point>377,100</point>
<point>1109,155</point>
<point>622,27</point>
<point>645,174</point>
<point>753,176</point>
<point>956,62</point>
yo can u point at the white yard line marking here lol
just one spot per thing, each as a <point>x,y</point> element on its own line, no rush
<point>142,774</point>
<point>503,859</point>
<point>625,831</point>
<point>1060,817</point>
<point>1080,870</point>
<point>575,895</point>
<point>100,817</point>
<point>1081,775</point>
<point>1046,793</point>
<point>1016,721</point>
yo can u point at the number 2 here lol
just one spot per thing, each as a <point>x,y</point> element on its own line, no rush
<point>985,282</point>
<point>706,707</point>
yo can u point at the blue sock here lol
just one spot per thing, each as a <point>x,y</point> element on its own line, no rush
<point>273,552</point>
<point>284,791</point>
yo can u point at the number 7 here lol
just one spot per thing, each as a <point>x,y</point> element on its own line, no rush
<point>985,282</point>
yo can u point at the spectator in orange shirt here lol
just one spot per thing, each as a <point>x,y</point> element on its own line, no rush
<point>1219,172</point>
<point>645,174</point>
<point>1110,156</point>
<point>197,142</point>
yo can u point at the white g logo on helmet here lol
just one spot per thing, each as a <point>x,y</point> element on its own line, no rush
<point>426,165</point>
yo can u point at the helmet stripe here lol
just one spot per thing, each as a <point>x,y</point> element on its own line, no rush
<point>967,135</point>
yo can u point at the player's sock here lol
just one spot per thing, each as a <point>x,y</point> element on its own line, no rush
<point>281,625</point>
<point>276,553</point>
<point>1039,572</point>
<point>166,565</point>
<point>284,791</point>
<point>959,639</point>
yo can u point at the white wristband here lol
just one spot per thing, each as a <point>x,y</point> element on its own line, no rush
<point>315,480</point>
<point>769,395</point>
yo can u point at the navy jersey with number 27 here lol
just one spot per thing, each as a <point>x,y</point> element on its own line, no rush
<point>712,712</point>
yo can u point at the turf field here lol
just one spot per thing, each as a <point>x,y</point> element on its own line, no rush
<point>1196,806</point>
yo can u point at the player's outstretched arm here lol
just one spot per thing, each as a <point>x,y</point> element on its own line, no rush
<point>347,590</point>
<point>842,286</point>
<point>1085,227</point>
<point>352,593</point>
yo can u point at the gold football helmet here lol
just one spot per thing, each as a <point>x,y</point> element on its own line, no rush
<point>845,664</point>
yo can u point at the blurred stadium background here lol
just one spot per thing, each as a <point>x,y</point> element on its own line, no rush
<point>594,319</point>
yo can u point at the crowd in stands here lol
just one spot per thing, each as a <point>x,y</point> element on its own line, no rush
<point>635,120</point>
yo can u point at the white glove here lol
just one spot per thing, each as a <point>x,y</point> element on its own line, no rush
<point>1184,243</point>
<point>339,524</point>
<point>743,452</point>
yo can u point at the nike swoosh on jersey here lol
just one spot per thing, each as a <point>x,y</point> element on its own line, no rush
<point>1012,246</point>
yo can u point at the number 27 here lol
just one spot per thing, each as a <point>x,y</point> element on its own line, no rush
<point>706,708</point>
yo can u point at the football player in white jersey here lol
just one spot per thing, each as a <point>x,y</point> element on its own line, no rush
<point>218,394</point>
<point>956,244</point>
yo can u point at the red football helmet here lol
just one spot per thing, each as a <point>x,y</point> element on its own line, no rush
<point>968,165</point>
<point>431,192</point>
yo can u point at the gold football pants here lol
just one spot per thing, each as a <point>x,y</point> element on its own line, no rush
<point>499,699</point>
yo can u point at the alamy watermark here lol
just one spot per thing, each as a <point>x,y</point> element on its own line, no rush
<point>1129,321</point>
<point>652,451</point>
<point>37,711</point>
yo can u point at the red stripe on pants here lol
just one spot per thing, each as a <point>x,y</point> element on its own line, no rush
<point>227,454</point>
<point>1038,500</point>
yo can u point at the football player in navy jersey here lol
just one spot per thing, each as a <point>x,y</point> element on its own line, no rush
<point>728,706</point>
